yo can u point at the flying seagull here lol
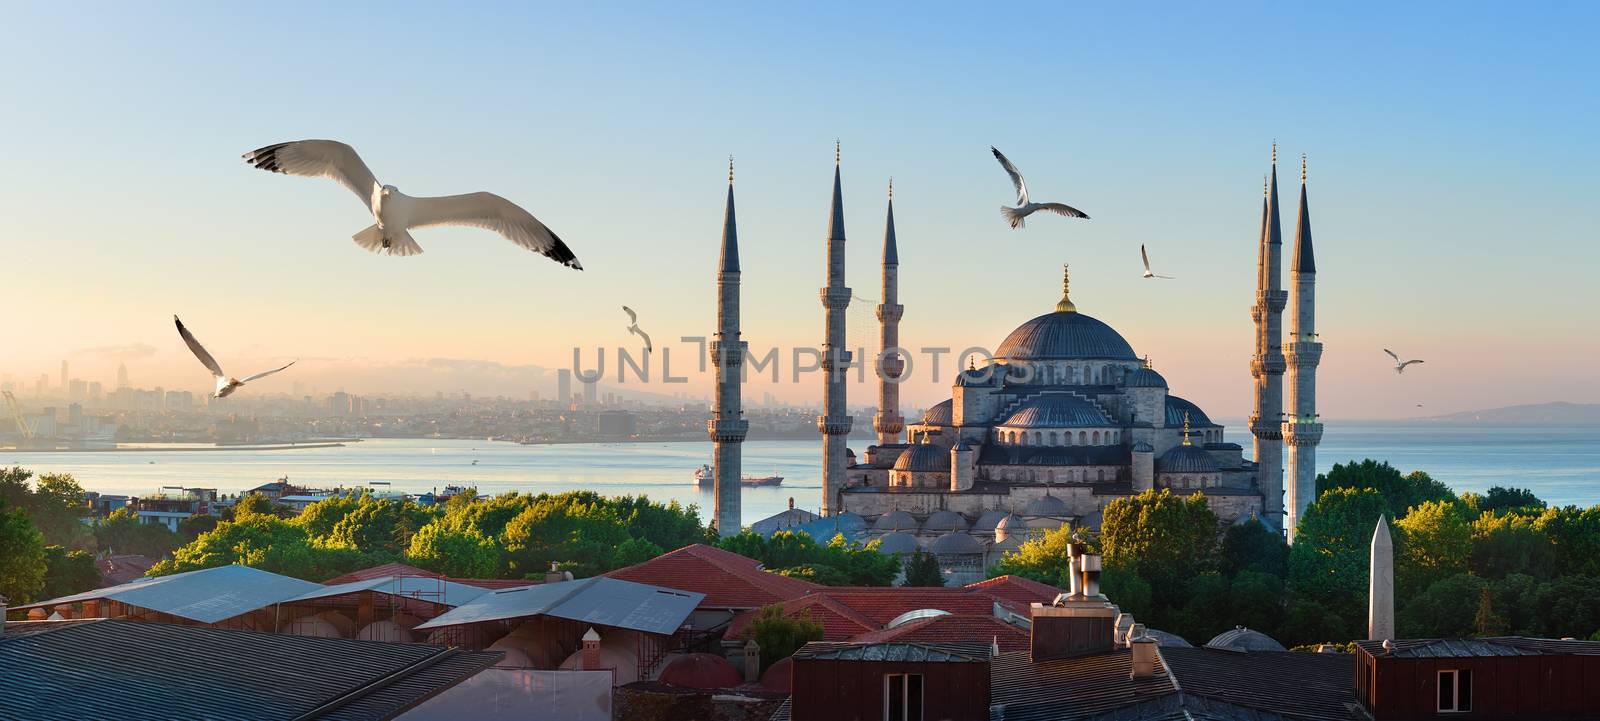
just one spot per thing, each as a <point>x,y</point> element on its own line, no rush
<point>633,327</point>
<point>1400,365</point>
<point>1027,207</point>
<point>226,385</point>
<point>397,213</point>
<point>1146,257</point>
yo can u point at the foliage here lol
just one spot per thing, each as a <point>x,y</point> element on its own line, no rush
<point>1574,535</point>
<point>55,502</point>
<point>459,552</point>
<point>1251,546</point>
<point>190,528</point>
<point>264,541</point>
<point>22,556</point>
<point>1400,493</point>
<point>1503,544</point>
<point>1159,534</point>
<point>122,533</point>
<point>257,504</point>
<point>922,569</point>
<point>1438,543</point>
<point>1487,621</point>
<point>1044,559</point>
<point>68,571</point>
<point>1500,498</point>
<point>1328,561</point>
<point>779,636</point>
<point>796,554</point>
<point>1444,609</point>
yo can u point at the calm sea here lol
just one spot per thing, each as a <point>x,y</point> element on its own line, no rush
<point>1561,465</point>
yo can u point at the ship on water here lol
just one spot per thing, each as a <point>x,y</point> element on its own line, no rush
<point>704,476</point>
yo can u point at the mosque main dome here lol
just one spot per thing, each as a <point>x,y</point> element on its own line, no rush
<point>1064,335</point>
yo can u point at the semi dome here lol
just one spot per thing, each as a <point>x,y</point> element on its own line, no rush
<point>924,457</point>
<point>898,542</point>
<point>1009,526</point>
<point>942,521</point>
<point>895,521</point>
<point>1046,505</point>
<point>1244,639</point>
<point>1056,410</point>
<point>941,414</point>
<point>705,671</point>
<point>1146,377</point>
<point>1064,336</point>
<point>956,543</point>
<point>987,522</point>
<point>1187,459</point>
<point>1176,407</point>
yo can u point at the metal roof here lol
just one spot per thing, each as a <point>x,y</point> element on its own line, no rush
<point>1478,647</point>
<point>898,652</point>
<point>135,670</point>
<point>434,590</point>
<point>208,595</point>
<point>599,600</point>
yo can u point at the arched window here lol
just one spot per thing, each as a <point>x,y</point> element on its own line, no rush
<point>1053,438</point>
<point>1024,437</point>
<point>1096,437</point>
<point>1038,438</point>
<point>1100,474</point>
<point>1066,438</point>
<point>1083,438</point>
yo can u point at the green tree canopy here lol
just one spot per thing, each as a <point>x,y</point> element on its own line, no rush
<point>68,571</point>
<point>1500,498</point>
<point>1510,543</point>
<point>779,636</point>
<point>23,562</point>
<point>839,563</point>
<point>459,552</point>
<point>1400,492</point>
<point>1438,545</point>
<point>1251,546</point>
<point>54,501</point>
<point>1045,559</point>
<point>1329,559</point>
<point>122,533</point>
<point>922,569</point>
<point>1160,534</point>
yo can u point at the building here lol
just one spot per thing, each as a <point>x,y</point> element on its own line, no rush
<point>1480,678</point>
<point>727,426</point>
<point>564,388</point>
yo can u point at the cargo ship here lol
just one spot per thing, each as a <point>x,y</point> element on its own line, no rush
<point>703,476</point>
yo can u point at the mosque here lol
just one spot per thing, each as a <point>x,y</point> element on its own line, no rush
<point>1065,418</point>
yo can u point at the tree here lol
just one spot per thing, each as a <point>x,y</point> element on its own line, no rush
<point>463,553</point>
<point>68,571</point>
<point>264,541</point>
<point>1438,544</point>
<point>258,504</point>
<point>1159,534</point>
<point>862,565</point>
<point>1499,498</point>
<point>839,563</point>
<point>1444,609</point>
<point>1574,535</point>
<point>55,502</point>
<point>922,569</point>
<point>1251,546</point>
<point>1400,493</point>
<point>1487,621</point>
<point>22,557</point>
<point>1310,622</point>
<point>779,636</point>
<point>1509,543</point>
<point>190,528</point>
<point>1044,559</point>
<point>121,532</point>
<point>1328,563</point>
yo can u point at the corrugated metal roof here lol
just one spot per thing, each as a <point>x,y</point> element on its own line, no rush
<point>131,670</point>
<point>599,600</point>
<point>208,595</point>
<point>1475,647</point>
<point>435,590</point>
<point>896,652</point>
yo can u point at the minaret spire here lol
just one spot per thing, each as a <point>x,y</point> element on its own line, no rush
<point>888,422</point>
<point>1301,430</point>
<point>1267,365</point>
<point>727,426</point>
<point>835,421</point>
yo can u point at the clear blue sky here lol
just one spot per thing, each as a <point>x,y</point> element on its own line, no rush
<point>1452,152</point>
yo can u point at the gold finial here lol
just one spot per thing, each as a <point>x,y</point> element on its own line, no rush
<point>891,187</point>
<point>1274,152</point>
<point>730,170</point>
<point>1066,306</point>
<point>1186,428</point>
<point>1263,185</point>
<point>1147,361</point>
<point>972,363</point>
<point>835,151</point>
<point>1302,168</point>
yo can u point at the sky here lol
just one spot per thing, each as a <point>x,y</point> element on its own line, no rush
<point>1451,162</point>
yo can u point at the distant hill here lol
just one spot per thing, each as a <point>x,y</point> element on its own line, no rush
<point>1557,412</point>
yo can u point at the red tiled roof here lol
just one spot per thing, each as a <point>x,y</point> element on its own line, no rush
<point>952,629</point>
<point>116,570</point>
<point>1016,592</point>
<point>727,579</point>
<point>839,622</point>
<point>846,612</point>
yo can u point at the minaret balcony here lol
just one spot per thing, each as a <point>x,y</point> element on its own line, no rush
<point>1303,431</point>
<point>890,312</point>
<point>834,298</point>
<point>1277,300</point>
<point>727,431</point>
<point>728,355</point>
<point>891,366</point>
<point>1303,354</point>
<point>1266,428</point>
<point>888,423</point>
<point>834,425</point>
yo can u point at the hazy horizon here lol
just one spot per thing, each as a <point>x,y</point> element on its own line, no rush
<point>1449,179</point>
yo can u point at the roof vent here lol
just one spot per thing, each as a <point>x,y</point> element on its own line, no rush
<point>916,615</point>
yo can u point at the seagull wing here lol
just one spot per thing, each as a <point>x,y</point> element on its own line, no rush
<point>632,316</point>
<point>492,212</point>
<point>1145,256</point>
<point>1409,362</point>
<point>264,374</point>
<point>1392,355</point>
<point>1016,176</point>
<point>1063,209</point>
<point>648,346</point>
<point>318,159</point>
<point>198,350</point>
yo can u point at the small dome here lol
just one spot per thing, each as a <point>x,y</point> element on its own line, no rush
<point>1167,640</point>
<point>1064,336</point>
<point>1046,505</point>
<point>1146,378</point>
<point>1010,527</point>
<point>1093,520</point>
<point>1176,407</point>
<point>941,414</point>
<point>849,520</point>
<point>1057,410</point>
<point>895,521</point>
<point>1186,459</point>
<point>1244,639</point>
<point>779,676</point>
<point>702,671</point>
<point>986,523</point>
<point>1009,544</point>
<point>924,457</point>
<point>1142,447</point>
<point>991,375</point>
<point>942,521</point>
<point>898,542</point>
<point>956,543</point>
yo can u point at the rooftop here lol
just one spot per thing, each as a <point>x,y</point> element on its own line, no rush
<point>598,600</point>
<point>207,596</point>
<point>725,579</point>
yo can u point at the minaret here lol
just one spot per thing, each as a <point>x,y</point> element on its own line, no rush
<point>1380,585</point>
<point>727,426</point>
<point>1301,431</point>
<point>834,423</point>
<point>1267,365</point>
<point>888,423</point>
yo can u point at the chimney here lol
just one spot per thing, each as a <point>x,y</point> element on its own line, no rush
<point>1124,624</point>
<point>752,661</point>
<point>554,575</point>
<point>591,650</point>
<point>1144,656</point>
<point>1078,623</point>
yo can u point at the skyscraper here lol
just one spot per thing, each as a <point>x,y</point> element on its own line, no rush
<point>727,426</point>
<point>122,375</point>
<point>835,421</point>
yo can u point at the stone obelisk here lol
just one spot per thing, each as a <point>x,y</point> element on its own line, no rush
<point>1380,586</point>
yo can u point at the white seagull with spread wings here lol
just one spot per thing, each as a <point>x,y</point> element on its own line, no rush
<point>396,213</point>
<point>1147,272</point>
<point>1026,207</point>
<point>633,327</point>
<point>1399,365</point>
<point>226,384</point>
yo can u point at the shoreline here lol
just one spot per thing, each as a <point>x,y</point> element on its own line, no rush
<point>188,449</point>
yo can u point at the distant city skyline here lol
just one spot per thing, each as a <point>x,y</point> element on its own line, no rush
<point>1449,174</point>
